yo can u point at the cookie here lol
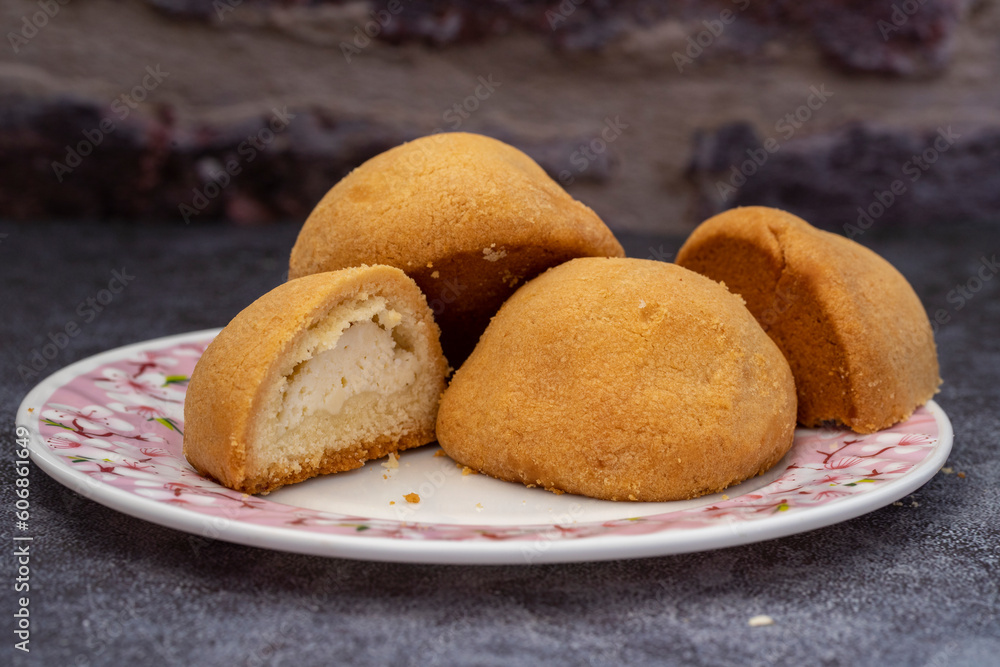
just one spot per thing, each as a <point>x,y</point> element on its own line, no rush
<point>621,379</point>
<point>316,376</point>
<point>855,333</point>
<point>468,217</point>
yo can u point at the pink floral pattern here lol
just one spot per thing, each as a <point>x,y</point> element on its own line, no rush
<point>122,425</point>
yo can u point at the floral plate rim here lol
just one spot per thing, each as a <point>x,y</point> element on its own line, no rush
<point>465,544</point>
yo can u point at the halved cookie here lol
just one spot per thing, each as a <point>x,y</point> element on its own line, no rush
<point>855,333</point>
<point>317,376</point>
<point>468,217</point>
<point>621,379</point>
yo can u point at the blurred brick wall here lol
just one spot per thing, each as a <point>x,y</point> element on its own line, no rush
<point>856,115</point>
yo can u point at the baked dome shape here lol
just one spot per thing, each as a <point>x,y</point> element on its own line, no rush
<point>854,331</point>
<point>468,217</point>
<point>316,376</point>
<point>621,379</point>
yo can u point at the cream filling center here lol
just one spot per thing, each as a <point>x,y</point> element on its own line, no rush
<point>363,359</point>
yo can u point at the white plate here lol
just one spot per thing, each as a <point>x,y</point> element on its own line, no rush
<point>109,427</point>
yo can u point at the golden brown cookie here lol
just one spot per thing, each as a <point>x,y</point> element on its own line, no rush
<point>469,218</point>
<point>622,379</point>
<point>857,338</point>
<point>316,376</point>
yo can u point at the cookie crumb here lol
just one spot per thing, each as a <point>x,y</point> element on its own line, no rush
<point>725,497</point>
<point>509,278</point>
<point>491,255</point>
<point>898,503</point>
<point>439,452</point>
<point>760,620</point>
<point>947,471</point>
<point>436,274</point>
<point>466,470</point>
<point>430,265</point>
<point>392,502</point>
<point>479,507</point>
<point>961,475</point>
<point>412,498</point>
<point>391,461</point>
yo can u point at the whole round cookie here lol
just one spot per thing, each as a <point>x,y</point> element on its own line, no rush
<point>854,331</point>
<point>621,379</point>
<point>317,376</point>
<point>468,217</point>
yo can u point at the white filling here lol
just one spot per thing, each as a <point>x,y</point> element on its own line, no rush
<point>364,358</point>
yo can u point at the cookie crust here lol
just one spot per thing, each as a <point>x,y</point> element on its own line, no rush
<point>232,389</point>
<point>468,217</point>
<point>621,379</point>
<point>855,333</point>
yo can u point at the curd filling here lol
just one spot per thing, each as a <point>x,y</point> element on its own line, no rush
<point>364,358</point>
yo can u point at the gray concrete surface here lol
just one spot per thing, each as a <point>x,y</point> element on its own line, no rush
<point>903,585</point>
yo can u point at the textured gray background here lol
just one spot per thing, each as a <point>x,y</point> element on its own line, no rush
<point>903,585</point>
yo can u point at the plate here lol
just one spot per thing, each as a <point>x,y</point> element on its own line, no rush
<point>111,428</point>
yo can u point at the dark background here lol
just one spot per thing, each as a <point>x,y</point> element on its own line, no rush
<point>129,109</point>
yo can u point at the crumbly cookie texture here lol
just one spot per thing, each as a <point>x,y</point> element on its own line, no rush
<point>855,333</point>
<point>621,379</point>
<point>468,217</point>
<point>317,376</point>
